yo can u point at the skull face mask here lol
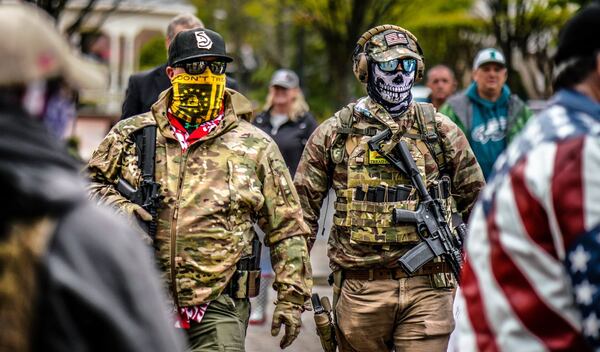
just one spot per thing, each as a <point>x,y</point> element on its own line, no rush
<point>389,84</point>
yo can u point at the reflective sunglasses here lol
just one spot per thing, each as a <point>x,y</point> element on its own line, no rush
<point>406,65</point>
<point>198,67</point>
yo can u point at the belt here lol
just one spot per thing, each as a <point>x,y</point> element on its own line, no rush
<point>396,273</point>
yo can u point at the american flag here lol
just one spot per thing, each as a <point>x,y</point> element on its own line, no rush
<point>394,38</point>
<point>532,275</point>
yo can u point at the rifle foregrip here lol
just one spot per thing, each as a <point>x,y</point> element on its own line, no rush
<point>126,190</point>
<point>402,215</point>
<point>415,258</point>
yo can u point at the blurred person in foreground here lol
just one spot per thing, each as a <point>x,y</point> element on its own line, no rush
<point>442,84</point>
<point>286,118</point>
<point>144,88</point>
<point>73,277</point>
<point>532,277</point>
<point>487,112</point>
<point>378,305</point>
<point>218,175</point>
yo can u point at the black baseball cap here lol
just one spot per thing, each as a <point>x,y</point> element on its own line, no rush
<point>195,44</point>
<point>579,37</point>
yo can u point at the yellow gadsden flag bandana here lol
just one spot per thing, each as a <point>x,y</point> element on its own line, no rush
<point>197,98</point>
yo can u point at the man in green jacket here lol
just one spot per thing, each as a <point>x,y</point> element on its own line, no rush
<point>487,112</point>
<point>218,175</point>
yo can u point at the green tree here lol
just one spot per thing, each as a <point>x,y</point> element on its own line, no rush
<point>153,53</point>
<point>316,38</point>
<point>527,31</point>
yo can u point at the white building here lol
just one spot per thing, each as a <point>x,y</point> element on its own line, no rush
<point>128,27</point>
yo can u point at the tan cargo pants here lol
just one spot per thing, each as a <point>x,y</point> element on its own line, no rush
<point>406,314</point>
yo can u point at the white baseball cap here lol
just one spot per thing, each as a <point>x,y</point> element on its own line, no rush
<point>488,55</point>
<point>285,78</point>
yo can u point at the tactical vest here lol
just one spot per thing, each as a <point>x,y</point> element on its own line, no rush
<point>20,251</point>
<point>375,188</point>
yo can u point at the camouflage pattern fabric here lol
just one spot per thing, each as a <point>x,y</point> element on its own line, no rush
<point>213,193</point>
<point>311,179</point>
<point>21,249</point>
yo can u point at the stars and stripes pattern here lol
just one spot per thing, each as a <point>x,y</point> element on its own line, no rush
<point>532,275</point>
<point>395,38</point>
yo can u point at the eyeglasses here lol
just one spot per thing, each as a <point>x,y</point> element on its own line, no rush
<point>198,67</point>
<point>407,65</point>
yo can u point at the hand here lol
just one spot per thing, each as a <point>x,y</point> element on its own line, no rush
<point>289,314</point>
<point>138,217</point>
<point>140,212</point>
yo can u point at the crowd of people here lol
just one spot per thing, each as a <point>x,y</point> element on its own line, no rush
<point>225,201</point>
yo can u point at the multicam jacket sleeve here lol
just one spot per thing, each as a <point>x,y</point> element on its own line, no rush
<point>467,178</point>
<point>286,232</point>
<point>311,179</point>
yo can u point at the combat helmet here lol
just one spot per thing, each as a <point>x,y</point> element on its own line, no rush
<point>383,43</point>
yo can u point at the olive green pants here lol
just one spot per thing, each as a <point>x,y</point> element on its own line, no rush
<point>402,315</point>
<point>223,327</point>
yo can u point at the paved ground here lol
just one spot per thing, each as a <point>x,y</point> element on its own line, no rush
<point>259,337</point>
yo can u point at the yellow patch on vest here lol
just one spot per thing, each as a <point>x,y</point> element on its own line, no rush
<point>376,158</point>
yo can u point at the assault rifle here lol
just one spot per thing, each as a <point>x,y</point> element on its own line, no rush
<point>148,193</point>
<point>432,227</point>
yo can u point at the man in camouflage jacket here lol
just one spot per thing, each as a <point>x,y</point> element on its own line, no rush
<point>218,176</point>
<point>378,307</point>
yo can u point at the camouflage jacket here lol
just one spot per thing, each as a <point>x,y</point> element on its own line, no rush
<point>213,194</point>
<point>312,179</point>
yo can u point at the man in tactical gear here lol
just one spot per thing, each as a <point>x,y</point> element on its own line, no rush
<point>72,276</point>
<point>218,175</point>
<point>378,306</point>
